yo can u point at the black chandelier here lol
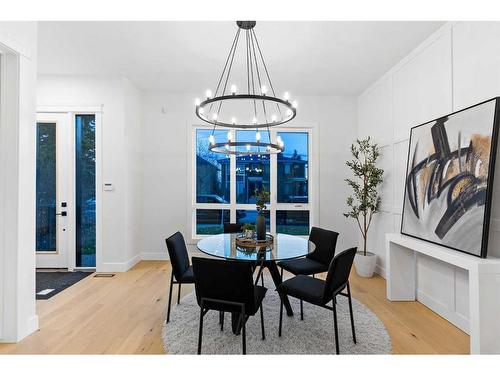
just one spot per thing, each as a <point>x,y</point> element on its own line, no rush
<point>261,109</point>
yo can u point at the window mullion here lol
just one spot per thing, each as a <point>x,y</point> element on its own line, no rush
<point>232,185</point>
<point>274,186</point>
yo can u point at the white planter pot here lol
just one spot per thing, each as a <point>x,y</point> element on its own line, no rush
<point>365,265</point>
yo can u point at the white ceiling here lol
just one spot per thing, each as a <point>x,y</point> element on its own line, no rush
<point>306,58</point>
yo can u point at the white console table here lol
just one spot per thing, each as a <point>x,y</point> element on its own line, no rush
<point>484,285</point>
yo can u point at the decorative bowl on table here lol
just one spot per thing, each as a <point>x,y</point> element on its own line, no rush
<point>252,245</point>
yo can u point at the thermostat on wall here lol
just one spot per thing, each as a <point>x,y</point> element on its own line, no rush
<point>109,186</point>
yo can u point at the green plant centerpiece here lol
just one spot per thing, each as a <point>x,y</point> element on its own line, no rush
<point>248,230</point>
<point>365,201</point>
<point>262,197</point>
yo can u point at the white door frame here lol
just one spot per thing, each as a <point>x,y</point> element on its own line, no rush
<point>72,111</point>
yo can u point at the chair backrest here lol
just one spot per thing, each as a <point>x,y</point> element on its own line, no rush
<point>338,272</point>
<point>325,241</point>
<point>224,280</point>
<point>178,254</point>
<point>232,228</point>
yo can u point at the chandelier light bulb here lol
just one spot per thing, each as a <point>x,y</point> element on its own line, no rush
<point>288,112</point>
<point>248,147</point>
<point>229,135</point>
<point>294,104</point>
<point>211,139</point>
<point>208,93</point>
<point>257,136</point>
<point>254,120</point>
<point>263,89</point>
<point>274,118</point>
<point>197,102</point>
<point>286,96</point>
<point>214,116</point>
<point>233,89</point>
<point>227,146</point>
<point>201,111</point>
<point>233,120</point>
<point>278,139</point>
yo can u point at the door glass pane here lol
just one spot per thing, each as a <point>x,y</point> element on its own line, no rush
<point>85,190</point>
<point>212,170</point>
<point>292,222</point>
<point>46,201</point>
<point>250,216</point>
<point>211,221</point>
<point>293,168</point>
<point>252,171</point>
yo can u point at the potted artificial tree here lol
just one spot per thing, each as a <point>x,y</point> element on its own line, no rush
<point>260,224</point>
<point>365,200</point>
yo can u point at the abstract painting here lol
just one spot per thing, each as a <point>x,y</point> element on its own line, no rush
<point>449,179</point>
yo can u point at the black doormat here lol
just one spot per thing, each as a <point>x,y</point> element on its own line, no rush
<point>48,284</point>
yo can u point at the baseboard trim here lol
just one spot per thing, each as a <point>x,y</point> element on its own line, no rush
<point>154,256</point>
<point>380,271</point>
<point>31,326</point>
<point>439,308</point>
<point>119,267</point>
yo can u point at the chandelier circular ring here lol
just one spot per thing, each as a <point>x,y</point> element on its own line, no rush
<point>224,148</point>
<point>262,98</point>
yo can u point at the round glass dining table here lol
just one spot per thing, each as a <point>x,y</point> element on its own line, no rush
<point>284,247</point>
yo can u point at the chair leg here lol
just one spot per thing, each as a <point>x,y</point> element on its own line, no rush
<point>301,310</point>
<point>262,322</point>
<point>243,333</point>
<point>262,278</point>
<point>282,275</point>
<point>170,297</point>
<point>222,320</point>
<point>281,315</point>
<point>179,294</point>
<point>335,327</point>
<point>352,315</point>
<point>200,331</point>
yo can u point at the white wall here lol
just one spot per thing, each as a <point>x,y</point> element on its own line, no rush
<point>120,101</point>
<point>456,67</point>
<point>167,158</point>
<point>17,181</point>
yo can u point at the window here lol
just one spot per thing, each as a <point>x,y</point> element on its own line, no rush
<point>85,190</point>
<point>225,185</point>
<point>212,170</point>
<point>293,168</point>
<point>46,228</point>
<point>252,171</point>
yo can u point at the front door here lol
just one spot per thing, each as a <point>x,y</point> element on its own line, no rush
<point>65,190</point>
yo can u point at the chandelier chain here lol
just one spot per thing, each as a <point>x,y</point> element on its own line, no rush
<point>265,68</point>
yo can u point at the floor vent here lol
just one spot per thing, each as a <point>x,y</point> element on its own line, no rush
<point>104,275</point>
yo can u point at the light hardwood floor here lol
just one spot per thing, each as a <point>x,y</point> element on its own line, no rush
<point>124,315</point>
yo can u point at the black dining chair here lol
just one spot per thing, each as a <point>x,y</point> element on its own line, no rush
<point>316,262</point>
<point>232,228</point>
<point>320,292</point>
<point>227,286</point>
<point>182,272</point>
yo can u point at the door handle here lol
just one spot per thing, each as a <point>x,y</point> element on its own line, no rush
<point>62,213</point>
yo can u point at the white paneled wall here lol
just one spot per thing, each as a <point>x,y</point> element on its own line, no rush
<point>457,66</point>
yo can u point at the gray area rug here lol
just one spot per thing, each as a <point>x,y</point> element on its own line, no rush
<point>313,335</point>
